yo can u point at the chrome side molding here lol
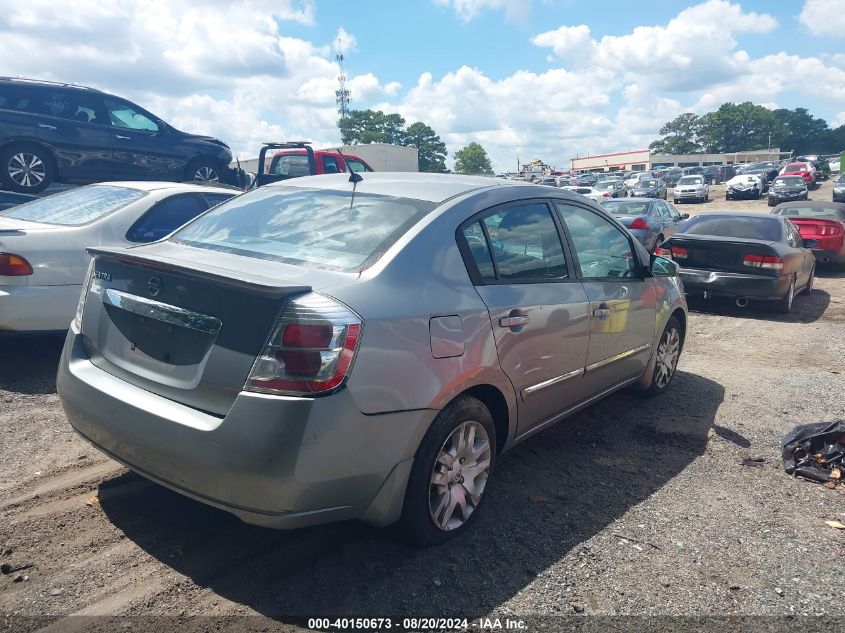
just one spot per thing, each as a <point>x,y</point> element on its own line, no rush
<point>552,381</point>
<point>613,359</point>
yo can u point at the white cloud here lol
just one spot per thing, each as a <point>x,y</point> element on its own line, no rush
<point>823,17</point>
<point>467,10</point>
<point>345,42</point>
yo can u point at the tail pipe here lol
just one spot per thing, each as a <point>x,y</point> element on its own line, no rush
<point>741,302</point>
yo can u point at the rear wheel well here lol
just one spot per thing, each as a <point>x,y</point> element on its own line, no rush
<point>498,406</point>
<point>682,319</point>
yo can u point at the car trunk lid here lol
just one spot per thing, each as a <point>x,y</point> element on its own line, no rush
<point>828,233</point>
<point>187,323</point>
<point>712,252</point>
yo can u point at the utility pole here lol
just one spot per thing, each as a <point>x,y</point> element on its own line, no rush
<point>342,93</point>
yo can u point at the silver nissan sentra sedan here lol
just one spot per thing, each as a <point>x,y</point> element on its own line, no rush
<point>363,347</point>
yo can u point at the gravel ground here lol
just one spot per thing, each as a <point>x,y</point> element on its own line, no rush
<point>633,507</point>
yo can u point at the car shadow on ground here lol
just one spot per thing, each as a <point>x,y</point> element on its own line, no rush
<point>28,363</point>
<point>805,308</point>
<point>548,495</point>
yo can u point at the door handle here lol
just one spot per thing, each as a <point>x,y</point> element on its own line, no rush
<point>513,321</point>
<point>123,138</point>
<point>46,126</point>
<point>602,312</point>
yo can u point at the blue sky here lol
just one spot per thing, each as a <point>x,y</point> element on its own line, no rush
<point>539,78</point>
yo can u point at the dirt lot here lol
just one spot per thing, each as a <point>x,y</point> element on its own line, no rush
<point>632,507</point>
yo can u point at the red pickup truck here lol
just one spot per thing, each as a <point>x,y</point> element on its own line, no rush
<point>297,159</point>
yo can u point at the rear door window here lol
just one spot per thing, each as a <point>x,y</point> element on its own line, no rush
<point>524,243</point>
<point>19,98</point>
<point>330,165</point>
<point>166,216</point>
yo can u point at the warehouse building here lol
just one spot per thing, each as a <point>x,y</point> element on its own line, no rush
<point>642,159</point>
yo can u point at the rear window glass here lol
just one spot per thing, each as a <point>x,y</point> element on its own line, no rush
<point>808,212</point>
<point>767,229</point>
<point>76,206</point>
<point>322,228</point>
<point>626,208</point>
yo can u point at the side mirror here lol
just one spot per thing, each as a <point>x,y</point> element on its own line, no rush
<point>811,244</point>
<point>685,216</point>
<point>662,267</point>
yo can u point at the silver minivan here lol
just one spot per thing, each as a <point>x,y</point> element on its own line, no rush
<point>365,347</point>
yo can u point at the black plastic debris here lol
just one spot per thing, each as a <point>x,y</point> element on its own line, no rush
<point>815,451</point>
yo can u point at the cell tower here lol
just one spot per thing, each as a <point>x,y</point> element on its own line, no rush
<point>342,93</point>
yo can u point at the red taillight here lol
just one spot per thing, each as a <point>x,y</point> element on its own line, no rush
<point>661,251</point>
<point>606,194</point>
<point>763,261</point>
<point>639,223</point>
<point>14,266</point>
<point>679,253</point>
<point>310,351</point>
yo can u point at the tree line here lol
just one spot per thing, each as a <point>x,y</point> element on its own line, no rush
<point>374,126</point>
<point>737,127</point>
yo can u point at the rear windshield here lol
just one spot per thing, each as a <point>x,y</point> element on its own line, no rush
<point>322,228</point>
<point>626,208</point>
<point>808,212</point>
<point>76,206</point>
<point>767,229</point>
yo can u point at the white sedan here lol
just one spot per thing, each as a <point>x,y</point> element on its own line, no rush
<point>43,260</point>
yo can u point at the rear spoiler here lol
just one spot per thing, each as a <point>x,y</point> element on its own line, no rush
<point>251,281</point>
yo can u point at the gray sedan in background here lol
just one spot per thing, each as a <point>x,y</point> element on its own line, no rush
<point>43,242</point>
<point>322,349</point>
<point>650,221</point>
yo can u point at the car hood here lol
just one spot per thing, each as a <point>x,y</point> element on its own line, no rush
<point>741,181</point>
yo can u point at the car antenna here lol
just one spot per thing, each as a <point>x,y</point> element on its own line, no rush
<point>354,177</point>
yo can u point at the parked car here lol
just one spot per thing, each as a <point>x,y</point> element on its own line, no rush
<point>691,188</point>
<point>42,243</point>
<point>10,199</point>
<point>713,174</point>
<point>586,180</point>
<point>278,370</point>
<point>820,163</point>
<point>746,185</point>
<point>835,166</point>
<point>804,170</point>
<point>693,171</point>
<point>767,170</point>
<point>787,188</point>
<point>822,222</point>
<point>649,188</point>
<point>564,181</point>
<point>763,175</point>
<point>839,189</point>
<point>589,192</point>
<point>549,181</point>
<point>614,187</point>
<point>651,221</point>
<point>634,177</point>
<point>747,257</point>
<point>52,132</point>
<point>672,176</point>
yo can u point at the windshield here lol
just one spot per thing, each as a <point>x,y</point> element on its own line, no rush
<point>791,181</point>
<point>624,207</point>
<point>76,206</point>
<point>766,229</point>
<point>313,226</point>
<point>808,212</point>
<point>646,183</point>
<point>691,180</point>
<point>604,185</point>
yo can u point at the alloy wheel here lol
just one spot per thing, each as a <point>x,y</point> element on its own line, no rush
<point>206,174</point>
<point>459,476</point>
<point>26,169</point>
<point>668,353</point>
<point>790,295</point>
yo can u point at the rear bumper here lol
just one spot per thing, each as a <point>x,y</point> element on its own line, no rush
<point>825,256</point>
<point>725,284</point>
<point>280,462</point>
<point>37,308</point>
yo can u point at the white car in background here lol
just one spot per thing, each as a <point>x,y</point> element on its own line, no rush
<point>744,186</point>
<point>632,180</point>
<point>590,192</point>
<point>691,188</point>
<point>43,260</point>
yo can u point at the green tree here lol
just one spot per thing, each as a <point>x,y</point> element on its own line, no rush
<point>801,132</point>
<point>680,136</point>
<point>473,159</point>
<point>372,126</point>
<point>431,150</point>
<point>735,127</point>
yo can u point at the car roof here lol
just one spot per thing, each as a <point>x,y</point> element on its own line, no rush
<point>414,185</point>
<point>44,82</point>
<point>153,185</point>
<point>839,206</point>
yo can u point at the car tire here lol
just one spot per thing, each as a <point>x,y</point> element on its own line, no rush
<point>666,359</point>
<point>675,201</point>
<point>727,196</point>
<point>770,203</point>
<point>808,289</point>
<point>784,304</point>
<point>26,168</point>
<point>424,519</point>
<point>203,170</point>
